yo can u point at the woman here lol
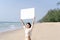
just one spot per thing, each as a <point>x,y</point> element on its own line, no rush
<point>28,28</point>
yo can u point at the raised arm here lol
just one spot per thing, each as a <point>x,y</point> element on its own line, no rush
<point>22,22</point>
<point>33,21</point>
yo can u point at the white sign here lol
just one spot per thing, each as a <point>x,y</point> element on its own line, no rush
<point>27,13</point>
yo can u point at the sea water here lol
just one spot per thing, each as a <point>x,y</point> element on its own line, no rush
<point>7,26</point>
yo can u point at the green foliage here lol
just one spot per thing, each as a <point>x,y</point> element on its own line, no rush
<point>58,3</point>
<point>51,16</point>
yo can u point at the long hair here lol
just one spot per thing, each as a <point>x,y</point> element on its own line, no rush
<point>29,24</point>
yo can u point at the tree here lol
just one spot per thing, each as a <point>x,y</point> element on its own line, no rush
<point>58,3</point>
<point>51,16</point>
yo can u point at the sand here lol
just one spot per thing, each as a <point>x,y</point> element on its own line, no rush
<point>41,31</point>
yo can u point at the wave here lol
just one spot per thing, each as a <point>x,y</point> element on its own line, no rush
<point>9,26</point>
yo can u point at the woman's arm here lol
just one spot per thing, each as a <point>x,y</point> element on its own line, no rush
<point>22,22</point>
<point>33,21</point>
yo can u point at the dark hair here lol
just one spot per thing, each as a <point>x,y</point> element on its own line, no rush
<point>29,24</point>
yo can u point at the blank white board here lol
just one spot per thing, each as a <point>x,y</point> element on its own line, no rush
<point>28,13</point>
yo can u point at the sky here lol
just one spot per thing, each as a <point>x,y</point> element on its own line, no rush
<point>10,9</point>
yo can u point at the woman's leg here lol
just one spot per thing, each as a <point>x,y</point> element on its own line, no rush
<point>28,38</point>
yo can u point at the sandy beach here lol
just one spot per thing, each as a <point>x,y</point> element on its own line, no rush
<point>41,31</point>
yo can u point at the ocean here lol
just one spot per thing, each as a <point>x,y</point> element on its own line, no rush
<point>7,26</point>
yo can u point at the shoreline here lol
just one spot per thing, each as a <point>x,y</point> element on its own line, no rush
<point>10,30</point>
<point>35,24</point>
<point>41,31</point>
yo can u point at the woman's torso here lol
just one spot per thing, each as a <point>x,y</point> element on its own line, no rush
<point>27,31</point>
